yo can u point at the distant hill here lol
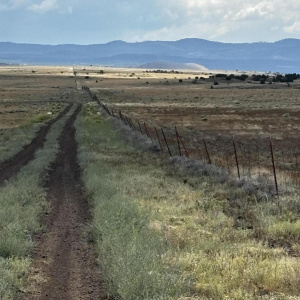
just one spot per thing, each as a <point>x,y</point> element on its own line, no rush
<point>172,66</point>
<point>282,56</point>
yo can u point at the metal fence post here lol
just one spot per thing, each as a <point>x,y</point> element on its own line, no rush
<point>166,142</point>
<point>236,157</point>
<point>206,150</point>
<point>273,164</point>
<point>160,145</point>
<point>178,142</point>
<point>147,132</point>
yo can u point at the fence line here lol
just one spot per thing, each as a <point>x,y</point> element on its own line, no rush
<point>249,159</point>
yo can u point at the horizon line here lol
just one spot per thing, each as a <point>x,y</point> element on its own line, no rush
<point>145,41</point>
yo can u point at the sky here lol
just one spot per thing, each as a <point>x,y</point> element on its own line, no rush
<point>101,21</point>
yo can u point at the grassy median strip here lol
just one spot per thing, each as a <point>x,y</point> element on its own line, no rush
<point>135,259</point>
<point>164,234</point>
<point>22,201</point>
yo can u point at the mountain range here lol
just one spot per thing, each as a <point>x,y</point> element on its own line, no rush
<point>281,56</point>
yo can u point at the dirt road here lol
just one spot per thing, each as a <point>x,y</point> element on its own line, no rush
<point>64,265</point>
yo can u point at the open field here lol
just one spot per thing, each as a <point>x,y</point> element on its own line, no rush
<point>95,211</point>
<point>248,110</point>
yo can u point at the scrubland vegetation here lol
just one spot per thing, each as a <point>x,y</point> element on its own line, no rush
<point>162,228</point>
<point>163,233</point>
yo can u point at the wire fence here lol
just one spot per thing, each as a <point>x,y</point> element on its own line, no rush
<point>277,160</point>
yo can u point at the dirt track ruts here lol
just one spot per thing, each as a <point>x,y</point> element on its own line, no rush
<point>13,165</point>
<point>64,265</point>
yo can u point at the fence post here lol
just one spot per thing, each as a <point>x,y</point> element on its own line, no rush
<point>132,124</point>
<point>273,164</point>
<point>160,145</point>
<point>123,118</point>
<point>283,171</point>
<point>183,145</point>
<point>178,142</point>
<point>166,142</point>
<point>296,159</point>
<point>206,150</point>
<point>107,110</point>
<point>297,167</point>
<point>242,163</point>
<point>129,123</point>
<point>140,126</point>
<point>236,157</point>
<point>258,158</point>
<point>249,160</point>
<point>147,132</point>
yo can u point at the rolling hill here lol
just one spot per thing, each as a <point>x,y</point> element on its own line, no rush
<point>281,56</point>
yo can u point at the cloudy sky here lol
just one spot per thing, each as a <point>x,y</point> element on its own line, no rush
<point>101,21</point>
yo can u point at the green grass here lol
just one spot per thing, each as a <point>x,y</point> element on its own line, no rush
<point>134,258</point>
<point>285,231</point>
<point>212,240</point>
<point>22,201</point>
<point>12,140</point>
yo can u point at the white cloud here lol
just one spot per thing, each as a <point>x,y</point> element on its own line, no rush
<point>294,28</point>
<point>137,20</point>
<point>44,6</point>
<point>176,32</point>
<point>219,19</point>
<point>12,4</point>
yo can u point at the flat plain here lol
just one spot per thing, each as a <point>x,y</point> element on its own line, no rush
<point>96,211</point>
<point>204,105</point>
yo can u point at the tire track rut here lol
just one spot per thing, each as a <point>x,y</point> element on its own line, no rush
<point>22,158</point>
<point>64,264</point>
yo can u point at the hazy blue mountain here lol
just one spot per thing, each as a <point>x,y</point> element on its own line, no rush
<point>281,56</point>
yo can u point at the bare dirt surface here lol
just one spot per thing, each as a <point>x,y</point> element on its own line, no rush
<point>13,165</point>
<point>64,265</point>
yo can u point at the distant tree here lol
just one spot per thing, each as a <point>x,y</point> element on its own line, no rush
<point>243,77</point>
<point>229,77</point>
<point>221,75</point>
